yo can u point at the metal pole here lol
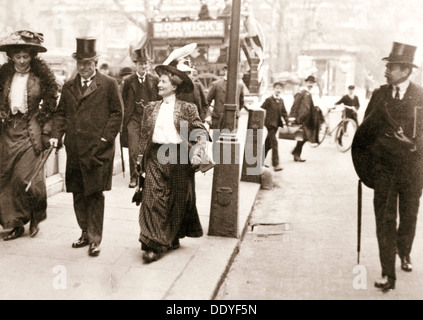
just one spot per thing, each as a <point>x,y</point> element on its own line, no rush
<point>225,191</point>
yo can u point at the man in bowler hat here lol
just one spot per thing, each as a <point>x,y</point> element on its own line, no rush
<point>138,90</point>
<point>89,114</point>
<point>387,154</point>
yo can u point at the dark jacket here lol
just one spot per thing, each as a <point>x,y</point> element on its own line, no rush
<point>198,98</point>
<point>85,119</point>
<point>275,111</point>
<point>304,111</point>
<point>217,93</point>
<point>129,90</point>
<point>374,146</point>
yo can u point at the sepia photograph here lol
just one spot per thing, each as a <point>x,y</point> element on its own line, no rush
<point>212,155</point>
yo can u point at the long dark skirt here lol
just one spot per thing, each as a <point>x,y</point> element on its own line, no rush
<point>168,211</point>
<point>17,165</point>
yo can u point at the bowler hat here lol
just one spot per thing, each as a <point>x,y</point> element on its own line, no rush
<point>351,87</point>
<point>278,83</point>
<point>141,55</point>
<point>310,79</point>
<point>85,49</point>
<point>23,38</point>
<point>401,53</point>
<point>186,85</point>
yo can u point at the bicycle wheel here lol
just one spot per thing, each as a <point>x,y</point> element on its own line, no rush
<point>321,135</point>
<point>345,134</point>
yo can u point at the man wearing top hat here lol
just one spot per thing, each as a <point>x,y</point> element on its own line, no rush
<point>387,156</point>
<point>89,114</point>
<point>138,90</point>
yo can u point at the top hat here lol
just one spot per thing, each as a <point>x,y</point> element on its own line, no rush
<point>141,55</point>
<point>310,79</point>
<point>186,85</point>
<point>401,53</point>
<point>85,49</point>
<point>23,38</point>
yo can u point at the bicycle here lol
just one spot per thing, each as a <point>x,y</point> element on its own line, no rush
<point>344,130</point>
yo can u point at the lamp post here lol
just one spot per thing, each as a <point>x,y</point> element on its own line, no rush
<point>225,192</point>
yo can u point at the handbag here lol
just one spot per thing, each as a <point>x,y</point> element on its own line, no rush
<point>291,132</point>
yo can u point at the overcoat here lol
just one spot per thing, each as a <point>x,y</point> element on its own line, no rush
<point>85,119</point>
<point>304,111</point>
<point>129,90</point>
<point>372,149</point>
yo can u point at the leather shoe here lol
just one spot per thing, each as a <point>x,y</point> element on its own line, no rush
<point>132,184</point>
<point>386,284</point>
<point>81,242</point>
<point>277,168</point>
<point>151,256</point>
<point>406,264</point>
<point>14,234</point>
<point>298,159</point>
<point>33,230</point>
<point>94,250</point>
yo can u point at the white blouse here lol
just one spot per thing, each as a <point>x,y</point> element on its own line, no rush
<point>164,130</point>
<point>19,93</point>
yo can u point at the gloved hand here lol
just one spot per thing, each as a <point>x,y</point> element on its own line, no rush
<point>54,142</point>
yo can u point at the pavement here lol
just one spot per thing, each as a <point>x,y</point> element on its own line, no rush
<point>47,267</point>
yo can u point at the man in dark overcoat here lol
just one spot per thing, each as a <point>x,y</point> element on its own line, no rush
<point>304,113</point>
<point>387,153</point>
<point>89,114</point>
<point>138,90</point>
<point>275,111</point>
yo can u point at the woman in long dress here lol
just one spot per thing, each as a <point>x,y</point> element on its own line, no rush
<point>172,141</point>
<point>28,95</point>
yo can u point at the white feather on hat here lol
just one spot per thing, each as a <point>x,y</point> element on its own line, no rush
<point>177,57</point>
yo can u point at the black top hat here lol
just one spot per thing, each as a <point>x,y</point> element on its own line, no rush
<point>85,49</point>
<point>23,38</point>
<point>141,55</point>
<point>186,85</point>
<point>402,53</point>
<point>310,79</point>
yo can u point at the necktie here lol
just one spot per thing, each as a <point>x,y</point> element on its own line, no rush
<point>397,95</point>
<point>85,86</point>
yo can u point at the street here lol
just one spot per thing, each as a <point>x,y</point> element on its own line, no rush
<point>308,249</point>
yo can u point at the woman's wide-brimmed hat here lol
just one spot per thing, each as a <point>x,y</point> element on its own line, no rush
<point>85,49</point>
<point>23,38</point>
<point>401,53</point>
<point>186,84</point>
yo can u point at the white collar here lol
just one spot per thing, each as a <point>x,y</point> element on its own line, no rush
<point>89,79</point>
<point>141,77</point>
<point>170,99</point>
<point>403,86</point>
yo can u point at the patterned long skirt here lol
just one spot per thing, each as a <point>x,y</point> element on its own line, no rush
<point>17,165</point>
<point>168,210</point>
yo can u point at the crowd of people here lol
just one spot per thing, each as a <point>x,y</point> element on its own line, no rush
<point>149,109</point>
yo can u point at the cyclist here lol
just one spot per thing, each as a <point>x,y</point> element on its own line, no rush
<point>350,100</point>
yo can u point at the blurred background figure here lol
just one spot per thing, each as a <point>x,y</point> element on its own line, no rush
<point>204,11</point>
<point>104,69</point>
<point>350,100</point>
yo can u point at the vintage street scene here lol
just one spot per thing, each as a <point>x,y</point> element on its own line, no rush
<point>227,152</point>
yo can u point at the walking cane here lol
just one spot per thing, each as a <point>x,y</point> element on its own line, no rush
<point>359,195</point>
<point>40,166</point>
<point>122,160</point>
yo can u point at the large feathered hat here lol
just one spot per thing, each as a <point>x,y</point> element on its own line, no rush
<point>23,38</point>
<point>176,64</point>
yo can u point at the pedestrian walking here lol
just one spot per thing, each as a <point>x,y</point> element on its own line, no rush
<point>216,98</point>
<point>387,153</point>
<point>138,90</point>
<point>89,114</point>
<point>28,93</point>
<point>168,210</point>
<point>350,100</point>
<point>275,111</point>
<point>303,112</point>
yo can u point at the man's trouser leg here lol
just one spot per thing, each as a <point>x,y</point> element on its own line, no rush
<point>298,148</point>
<point>89,211</point>
<point>274,146</point>
<point>134,129</point>
<point>409,201</point>
<point>385,205</point>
